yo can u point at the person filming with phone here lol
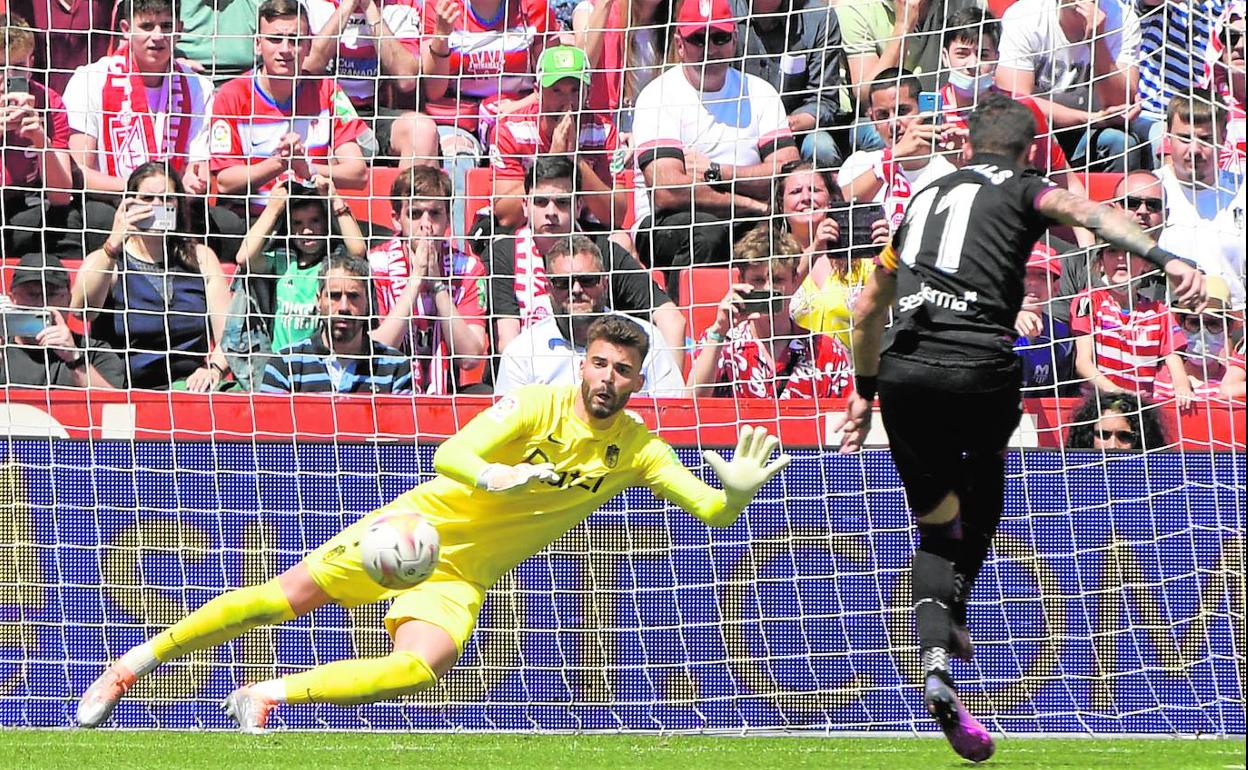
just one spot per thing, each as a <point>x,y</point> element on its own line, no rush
<point>156,292</point>
<point>754,349</point>
<point>38,348</point>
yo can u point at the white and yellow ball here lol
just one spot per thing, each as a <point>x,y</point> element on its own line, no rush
<point>400,550</point>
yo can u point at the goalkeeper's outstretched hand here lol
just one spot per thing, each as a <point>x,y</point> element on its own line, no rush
<point>498,477</point>
<point>748,470</point>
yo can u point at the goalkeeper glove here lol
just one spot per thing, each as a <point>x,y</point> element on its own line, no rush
<point>747,472</point>
<point>497,477</point>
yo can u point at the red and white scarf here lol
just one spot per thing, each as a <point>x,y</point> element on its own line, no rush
<point>532,287</point>
<point>129,130</point>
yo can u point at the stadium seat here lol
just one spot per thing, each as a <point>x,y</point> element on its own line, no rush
<point>372,203</point>
<point>701,289</point>
<point>998,7</point>
<point>479,193</point>
<point>1101,186</point>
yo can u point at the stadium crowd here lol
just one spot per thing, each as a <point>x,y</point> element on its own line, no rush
<point>189,189</point>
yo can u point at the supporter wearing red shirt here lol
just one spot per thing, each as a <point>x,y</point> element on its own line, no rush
<point>275,123</point>
<point>1123,336</point>
<point>372,47</point>
<point>759,352</point>
<point>556,124</point>
<point>428,294</point>
<point>36,168</point>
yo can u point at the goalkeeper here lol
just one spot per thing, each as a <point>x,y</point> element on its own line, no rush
<point>513,480</point>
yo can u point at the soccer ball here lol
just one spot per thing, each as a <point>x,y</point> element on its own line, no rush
<point>400,550</point>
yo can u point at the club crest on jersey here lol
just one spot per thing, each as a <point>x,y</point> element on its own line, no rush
<point>612,457</point>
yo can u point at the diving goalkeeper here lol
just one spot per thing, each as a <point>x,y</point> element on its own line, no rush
<point>513,480</point>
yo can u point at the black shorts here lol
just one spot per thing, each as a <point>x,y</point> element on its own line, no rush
<point>940,418</point>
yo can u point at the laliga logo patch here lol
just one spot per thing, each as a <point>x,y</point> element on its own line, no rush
<point>219,140</point>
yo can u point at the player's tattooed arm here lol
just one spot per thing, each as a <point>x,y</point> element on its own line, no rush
<point>1109,224</point>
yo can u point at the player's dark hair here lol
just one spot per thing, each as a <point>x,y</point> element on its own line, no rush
<point>552,167</point>
<point>1141,414</point>
<point>424,182</point>
<point>969,25</point>
<point>895,77</point>
<point>619,330</point>
<point>280,9</point>
<point>1001,126</point>
<point>129,9</point>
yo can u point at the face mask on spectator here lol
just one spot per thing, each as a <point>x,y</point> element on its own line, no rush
<point>969,84</point>
<point>1205,344</point>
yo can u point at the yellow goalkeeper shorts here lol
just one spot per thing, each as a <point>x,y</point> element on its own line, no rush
<point>446,600</point>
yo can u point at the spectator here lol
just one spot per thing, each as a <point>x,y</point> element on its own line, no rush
<point>134,107</point>
<point>1044,343</point>
<point>341,357</point>
<point>1204,217</point>
<point>373,48</point>
<point>519,288</point>
<point>883,35</point>
<point>1079,59</point>
<point>626,43</point>
<point>1224,73</point>
<point>155,293</point>
<point>37,174</point>
<point>551,350</point>
<point>276,123</point>
<point>908,162</point>
<point>67,35</point>
<point>276,294</point>
<point>1211,341</point>
<point>556,124</point>
<point>795,45</point>
<point>1122,335</point>
<point>1140,194</point>
<point>700,175</point>
<point>1234,381</point>
<point>53,356</point>
<point>1172,41</point>
<point>1116,421</point>
<point>429,293</point>
<point>753,349</point>
<point>477,60</point>
<point>219,36</point>
<point>832,270</point>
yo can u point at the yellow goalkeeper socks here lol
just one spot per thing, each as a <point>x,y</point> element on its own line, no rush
<point>362,680</point>
<point>222,619</point>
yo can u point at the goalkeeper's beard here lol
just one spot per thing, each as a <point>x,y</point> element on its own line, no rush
<point>600,409</point>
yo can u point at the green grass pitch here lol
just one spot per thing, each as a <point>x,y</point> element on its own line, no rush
<point>83,750</point>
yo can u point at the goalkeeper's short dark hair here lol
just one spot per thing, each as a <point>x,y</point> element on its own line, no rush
<point>619,330</point>
<point>1001,126</point>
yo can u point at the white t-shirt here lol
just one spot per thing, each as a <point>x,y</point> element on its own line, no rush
<point>540,354</point>
<point>1032,40</point>
<point>728,126</point>
<point>84,107</point>
<point>895,196</point>
<point>1206,225</point>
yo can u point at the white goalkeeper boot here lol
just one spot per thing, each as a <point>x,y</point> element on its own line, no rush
<point>100,698</point>
<point>250,709</point>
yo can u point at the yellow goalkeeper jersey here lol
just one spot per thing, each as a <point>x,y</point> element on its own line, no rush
<point>485,534</point>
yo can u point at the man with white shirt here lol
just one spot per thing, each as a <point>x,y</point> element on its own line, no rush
<point>1080,58</point>
<point>907,164</point>
<point>551,350</point>
<point>1204,205</point>
<point>709,140</point>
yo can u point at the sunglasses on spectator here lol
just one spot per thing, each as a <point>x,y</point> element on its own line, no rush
<point>1124,436</point>
<point>698,40</point>
<point>564,282</point>
<point>1132,202</point>
<point>1233,36</point>
<point>1212,323</point>
<point>563,202</point>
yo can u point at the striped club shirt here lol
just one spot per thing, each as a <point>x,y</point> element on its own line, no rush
<point>1172,47</point>
<point>1130,343</point>
<point>310,367</point>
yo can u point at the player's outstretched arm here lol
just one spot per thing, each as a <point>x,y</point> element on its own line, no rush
<point>462,456</point>
<point>1119,229</point>
<point>748,470</point>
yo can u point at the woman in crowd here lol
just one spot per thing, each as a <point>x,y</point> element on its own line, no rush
<point>1120,421</point>
<point>753,349</point>
<point>155,292</point>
